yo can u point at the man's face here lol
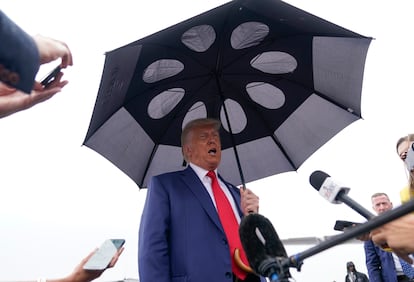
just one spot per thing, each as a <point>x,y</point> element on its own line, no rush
<point>381,204</point>
<point>351,268</point>
<point>204,147</point>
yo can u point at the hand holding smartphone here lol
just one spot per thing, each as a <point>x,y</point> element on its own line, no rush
<point>341,225</point>
<point>103,256</point>
<point>51,76</point>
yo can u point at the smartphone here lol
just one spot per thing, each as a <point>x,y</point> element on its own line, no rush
<point>340,225</point>
<point>51,76</point>
<point>103,256</point>
<point>409,160</point>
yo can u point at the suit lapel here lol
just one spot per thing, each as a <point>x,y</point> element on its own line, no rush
<point>190,178</point>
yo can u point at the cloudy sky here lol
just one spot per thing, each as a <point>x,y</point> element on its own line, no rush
<point>59,200</point>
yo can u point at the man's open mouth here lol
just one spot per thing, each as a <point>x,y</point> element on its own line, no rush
<point>212,152</point>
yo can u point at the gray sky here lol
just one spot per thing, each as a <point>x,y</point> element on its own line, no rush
<point>60,200</point>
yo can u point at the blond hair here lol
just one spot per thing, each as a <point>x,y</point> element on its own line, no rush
<point>408,137</point>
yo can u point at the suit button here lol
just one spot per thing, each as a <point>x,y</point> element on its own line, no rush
<point>4,75</point>
<point>14,78</point>
<point>229,275</point>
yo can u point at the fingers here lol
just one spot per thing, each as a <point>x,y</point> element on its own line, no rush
<point>56,82</point>
<point>364,237</point>
<point>404,256</point>
<point>42,93</point>
<point>5,89</point>
<point>115,258</point>
<point>67,59</point>
<point>88,257</point>
<point>378,237</point>
<point>249,201</point>
<point>12,100</point>
<point>51,49</point>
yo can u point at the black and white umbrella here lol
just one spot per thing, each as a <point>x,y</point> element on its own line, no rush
<point>282,81</point>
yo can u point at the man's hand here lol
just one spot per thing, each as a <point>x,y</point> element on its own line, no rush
<point>51,49</point>
<point>364,237</point>
<point>13,100</point>
<point>398,235</point>
<point>249,201</point>
<point>82,275</point>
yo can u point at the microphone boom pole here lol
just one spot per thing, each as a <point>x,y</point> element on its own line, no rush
<point>297,260</point>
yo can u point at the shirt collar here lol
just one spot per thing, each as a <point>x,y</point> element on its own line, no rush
<point>201,172</point>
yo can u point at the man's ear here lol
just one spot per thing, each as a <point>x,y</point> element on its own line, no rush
<point>187,151</point>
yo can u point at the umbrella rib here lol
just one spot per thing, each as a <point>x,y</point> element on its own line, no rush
<point>218,73</point>
<point>274,138</point>
<point>154,149</point>
<point>349,110</point>
<point>232,138</point>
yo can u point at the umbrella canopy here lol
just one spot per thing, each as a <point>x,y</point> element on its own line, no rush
<point>282,81</point>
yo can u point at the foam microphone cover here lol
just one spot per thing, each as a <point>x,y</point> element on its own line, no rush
<point>317,178</point>
<point>260,240</point>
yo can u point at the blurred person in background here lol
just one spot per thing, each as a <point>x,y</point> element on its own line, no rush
<point>352,275</point>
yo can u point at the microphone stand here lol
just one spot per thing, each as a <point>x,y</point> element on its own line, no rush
<point>297,260</point>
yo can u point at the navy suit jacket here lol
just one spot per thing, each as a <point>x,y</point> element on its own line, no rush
<point>181,238</point>
<point>380,263</point>
<point>19,56</point>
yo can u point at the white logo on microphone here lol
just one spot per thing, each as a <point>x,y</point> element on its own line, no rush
<point>330,190</point>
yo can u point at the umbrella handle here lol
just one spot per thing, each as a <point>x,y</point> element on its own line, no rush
<point>240,263</point>
<point>244,189</point>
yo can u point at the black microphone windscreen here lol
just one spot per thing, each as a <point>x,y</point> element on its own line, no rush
<point>260,240</point>
<point>317,178</point>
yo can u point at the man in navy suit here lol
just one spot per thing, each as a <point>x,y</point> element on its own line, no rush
<point>20,58</point>
<point>383,266</point>
<point>181,238</point>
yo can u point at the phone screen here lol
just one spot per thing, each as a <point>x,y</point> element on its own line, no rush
<point>103,256</point>
<point>118,243</point>
<point>51,76</point>
<point>409,160</point>
<point>340,225</point>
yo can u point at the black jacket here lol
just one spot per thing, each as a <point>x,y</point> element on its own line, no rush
<point>359,277</point>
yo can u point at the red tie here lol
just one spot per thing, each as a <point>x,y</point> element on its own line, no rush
<point>230,224</point>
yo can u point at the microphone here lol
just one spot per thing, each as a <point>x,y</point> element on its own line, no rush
<point>264,250</point>
<point>335,193</point>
